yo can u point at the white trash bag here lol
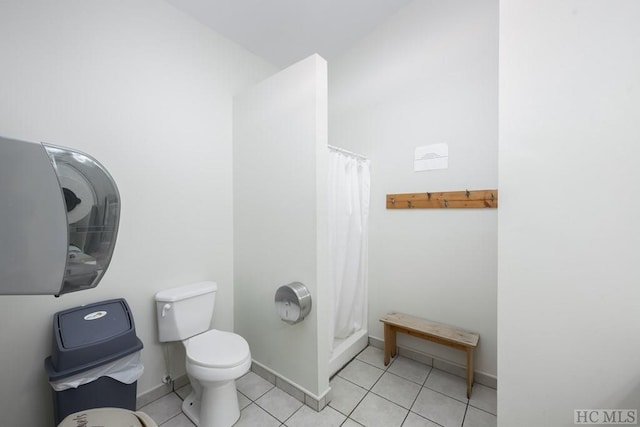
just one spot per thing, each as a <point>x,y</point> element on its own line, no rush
<point>127,370</point>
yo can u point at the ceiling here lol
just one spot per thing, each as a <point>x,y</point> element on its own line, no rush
<point>285,31</point>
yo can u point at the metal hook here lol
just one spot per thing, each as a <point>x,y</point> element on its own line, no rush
<point>428,196</point>
<point>393,201</point>
<point>446,203</point>
<point>467,193</point>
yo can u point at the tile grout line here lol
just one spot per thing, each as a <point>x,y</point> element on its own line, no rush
<point>367,390</point>
<point>416,398</point>
<point>255,402</point>
<point>483,410</point>
<point>384,371</point>
<point>446,395</point>
<point>302,405</point>
<point>370,390</point>
<point>269,413</point>
<point>465,415</point>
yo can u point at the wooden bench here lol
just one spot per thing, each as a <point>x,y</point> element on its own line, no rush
<point>431,331</point>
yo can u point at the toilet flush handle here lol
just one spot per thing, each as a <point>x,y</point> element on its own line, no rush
<point>165,308</point>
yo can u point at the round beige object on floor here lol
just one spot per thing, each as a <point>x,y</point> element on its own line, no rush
<point>108,417</point>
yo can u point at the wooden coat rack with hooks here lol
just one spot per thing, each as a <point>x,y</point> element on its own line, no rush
<point>444,200</point>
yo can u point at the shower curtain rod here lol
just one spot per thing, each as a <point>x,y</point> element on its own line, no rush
<point>349,153</point>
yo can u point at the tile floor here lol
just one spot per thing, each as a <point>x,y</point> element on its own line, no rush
<point>364,393</point>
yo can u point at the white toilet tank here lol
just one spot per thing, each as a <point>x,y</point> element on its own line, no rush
<point>185,311</point>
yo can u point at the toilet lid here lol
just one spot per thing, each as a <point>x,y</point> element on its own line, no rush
<point>217,349</point>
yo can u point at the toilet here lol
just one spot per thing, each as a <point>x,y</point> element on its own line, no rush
<point>215,359</point>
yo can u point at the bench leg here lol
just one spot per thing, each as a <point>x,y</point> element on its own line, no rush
<point>469,371</point>
<point>389,343</point>
<point>394,344</point>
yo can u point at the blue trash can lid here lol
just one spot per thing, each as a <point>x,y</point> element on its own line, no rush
<point>87,325</point>
<point>90,335</point>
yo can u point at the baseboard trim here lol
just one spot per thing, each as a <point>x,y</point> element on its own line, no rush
<point>157,392</point>
<point>300,393</point>
<point>438,363</point>
<point>319,402</point>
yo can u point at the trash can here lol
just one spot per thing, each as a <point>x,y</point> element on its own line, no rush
<point>95,358</point>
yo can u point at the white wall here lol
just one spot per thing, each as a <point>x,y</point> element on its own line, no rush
<point>569,299</point>
<point>428,75</point>
<point>148,92</point>
<point>280,227</point>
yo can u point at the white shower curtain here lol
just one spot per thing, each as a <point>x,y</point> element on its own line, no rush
<point>349,183</point>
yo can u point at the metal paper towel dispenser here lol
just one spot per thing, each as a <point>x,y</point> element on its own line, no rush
<point>59,214</point>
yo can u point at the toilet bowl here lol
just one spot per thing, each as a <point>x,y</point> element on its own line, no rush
<point>214,358</point>
<point>213,375</point>
<point>107,417</point>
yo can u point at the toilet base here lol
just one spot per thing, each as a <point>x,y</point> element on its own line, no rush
<point>191,408</point>
<point>218,406</point>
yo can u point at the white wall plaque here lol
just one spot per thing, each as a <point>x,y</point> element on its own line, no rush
<point>431,157</point>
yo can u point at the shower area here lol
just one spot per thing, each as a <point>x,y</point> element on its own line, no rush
<point>348,193</point>
<point>300,213</point>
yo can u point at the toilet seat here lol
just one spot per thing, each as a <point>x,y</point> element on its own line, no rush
<point>217,349</point>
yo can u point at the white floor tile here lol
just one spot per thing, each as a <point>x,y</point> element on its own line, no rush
<point>397,389</point>
<point>449,384</point>
<point>415,420</point>
<point>373,356</point>
<point>484,398</point>
<point>409,369</point>
<point>279,403</point>
<point>361,373</point>
<point>345,395</point>
<point>440,402</point>
<point>254,416</point>
<point>307,417</point>
<point>253,386</point>
<point>184,391</point>
<point>179,420</point>
<point>374,411</point>
<point>243,401</point>
<point>163,409</point>
<point>477,418</point>
<point>439,408</point>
